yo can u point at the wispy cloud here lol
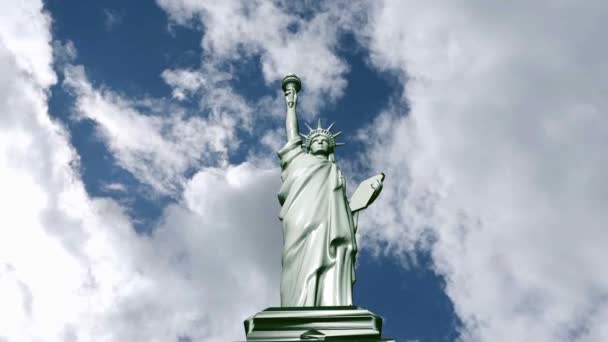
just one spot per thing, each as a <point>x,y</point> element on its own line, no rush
<point>112,18</point>
<point>114,187</point>
<point>154,140</point>
<point>276,32</point>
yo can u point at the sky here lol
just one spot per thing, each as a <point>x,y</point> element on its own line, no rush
<point>139,173</point>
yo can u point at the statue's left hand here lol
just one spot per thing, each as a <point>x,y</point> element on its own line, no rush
<point>377,186</point>
<point>363,197</point>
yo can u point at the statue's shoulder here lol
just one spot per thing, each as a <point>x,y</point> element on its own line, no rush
<point>290,150</point>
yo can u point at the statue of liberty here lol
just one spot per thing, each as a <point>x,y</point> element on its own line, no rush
<point>319,223</point>
<point>319,245</point>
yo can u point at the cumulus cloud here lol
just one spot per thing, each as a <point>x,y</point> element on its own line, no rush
<point>228,244</point>
<point>498,168</point>
<point>29,41</point>
<point>72,267</point>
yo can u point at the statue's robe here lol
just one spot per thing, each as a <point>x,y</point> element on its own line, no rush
<point>318,229</point>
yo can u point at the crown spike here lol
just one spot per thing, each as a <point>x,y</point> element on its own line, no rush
<point>309,128</point>
<point>330,126</point>
<point>340,144</point>
<point>319,123</point>
<point>338,133</point>
<point>303,135</point>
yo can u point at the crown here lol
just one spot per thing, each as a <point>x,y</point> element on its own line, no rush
<point>320,131</point>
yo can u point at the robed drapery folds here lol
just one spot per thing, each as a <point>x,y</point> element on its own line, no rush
<point>318,229</point>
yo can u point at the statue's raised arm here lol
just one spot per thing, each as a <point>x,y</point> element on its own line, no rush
<point>291,85</point>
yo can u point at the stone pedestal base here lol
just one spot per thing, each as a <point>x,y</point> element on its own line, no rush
<point>329,323</point>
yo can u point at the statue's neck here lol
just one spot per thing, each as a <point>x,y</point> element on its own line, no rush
<point>321,156</point>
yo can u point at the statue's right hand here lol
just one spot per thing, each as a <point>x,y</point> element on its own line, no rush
<point>290,97</point>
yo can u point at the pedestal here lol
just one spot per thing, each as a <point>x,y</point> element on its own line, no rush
<point>330,323</point>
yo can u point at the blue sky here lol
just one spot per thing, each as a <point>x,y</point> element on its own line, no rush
<point>138,162</point>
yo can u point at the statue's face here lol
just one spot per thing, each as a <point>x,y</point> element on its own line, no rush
<point>319,145</point>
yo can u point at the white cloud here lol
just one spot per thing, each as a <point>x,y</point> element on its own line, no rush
<point>184,82</point>
<point>501,160</point>
<point>72,267</point>
<point>284,40</point>
<point>228,244</point>
<point>154,140</point>
<point>28,41</point>
<point>114,187</point>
